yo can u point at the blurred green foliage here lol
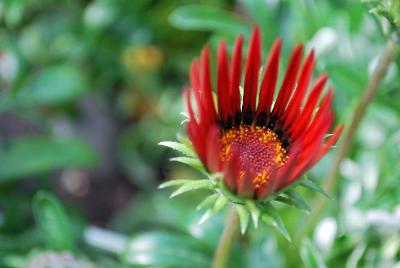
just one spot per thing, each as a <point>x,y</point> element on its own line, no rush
<point>89,87</point>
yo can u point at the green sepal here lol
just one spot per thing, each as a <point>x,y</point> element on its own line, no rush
<point>254,212</point>
<point>209,212</point>
<point>185,117</point>
<point>192,185</point>
<point>220,203</point>
<point>298,200</point>
<point>271,217</point>
<point>214,203</point>
<point>208,201</point>
<point>180,147</point>
<point>172,183</point>
<point>185,141</point>
<point>243,218</point>
<point>190,161</point>
<point>311,185</point>
<point>288,201</point>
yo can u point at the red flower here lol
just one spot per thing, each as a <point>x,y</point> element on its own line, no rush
<point>259,145</point>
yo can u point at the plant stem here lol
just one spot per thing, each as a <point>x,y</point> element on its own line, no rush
<point>228,236</point>
<point>378,74</point>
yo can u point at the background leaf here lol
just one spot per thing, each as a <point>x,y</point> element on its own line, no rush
<point>52,222</point>
<point>167,249</point>
<point>202,17</point>
<point>37,155</point>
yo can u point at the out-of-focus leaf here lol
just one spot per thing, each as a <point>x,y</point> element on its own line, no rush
<point>52,85</point>
<point>263,246</point>
<point>35,155</point>
<point>52,221</point>
<point>21,242</point>
<point>310,256</point>
<point>166,250</point>
<point>202,17</point>
<point>14,10</point>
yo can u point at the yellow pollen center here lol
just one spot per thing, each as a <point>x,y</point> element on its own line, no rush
<point>259,150</point>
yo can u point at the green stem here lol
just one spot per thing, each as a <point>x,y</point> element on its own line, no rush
<point>221,257</point>
<point>330,183</point>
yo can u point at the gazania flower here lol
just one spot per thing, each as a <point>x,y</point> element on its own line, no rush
<point>261,139</point>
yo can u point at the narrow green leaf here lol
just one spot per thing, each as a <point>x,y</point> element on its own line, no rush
<point>208,201</point>
<point>310,255</point>
<point>243,218</point>
<point>193,162</point>
<point>309,184</point>
<point>180,147</point>
<point>192,185</point>
<point>52,221</point>
<point>220,203</point>
<point>272,217</point>
<point>298,200</point>
<point>202,17</point>
<point>185,117</point>
<point>288,201</point>
<point>206,216</point>
<point>254,212</point>
<point>172,183</point>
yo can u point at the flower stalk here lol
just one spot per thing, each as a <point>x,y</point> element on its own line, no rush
<point>231,231</point>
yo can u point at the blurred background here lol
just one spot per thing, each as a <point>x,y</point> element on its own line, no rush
<point>89,87</point>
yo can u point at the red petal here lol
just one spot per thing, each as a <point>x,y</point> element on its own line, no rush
<point>223,82</point>
<point>289,81</point>
<point>195,81</point>
<point>252,71</point>
<point>232,172</point>
<point>294,105</point>
<point>213,149</point>
<point>236,75</point>
<point>270,77</point>
<point>206,88</point>
<point>306,114</point>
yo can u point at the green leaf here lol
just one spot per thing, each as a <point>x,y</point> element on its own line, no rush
<point>53,85</point>
<point>272,218</point>
<point>180,147</point>
<point>208,201</point>
<point>167,250</point>
<point>208,214</point>
<point>220,203</point>
<point>309,184</point>
<point>254,212</point>
<point>310,256</point>
<point>243,218</point>
<point>172,183</point>
<point>52,221</point>
<point>193,162</point>
<point>205,18</point>
<point>191,186</point>
<point>297,200</point>
<point>38,155</point>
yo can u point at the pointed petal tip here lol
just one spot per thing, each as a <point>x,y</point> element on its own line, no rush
<point>256,29</point>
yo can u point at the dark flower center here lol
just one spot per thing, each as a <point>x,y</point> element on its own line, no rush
<point>260,151</point>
